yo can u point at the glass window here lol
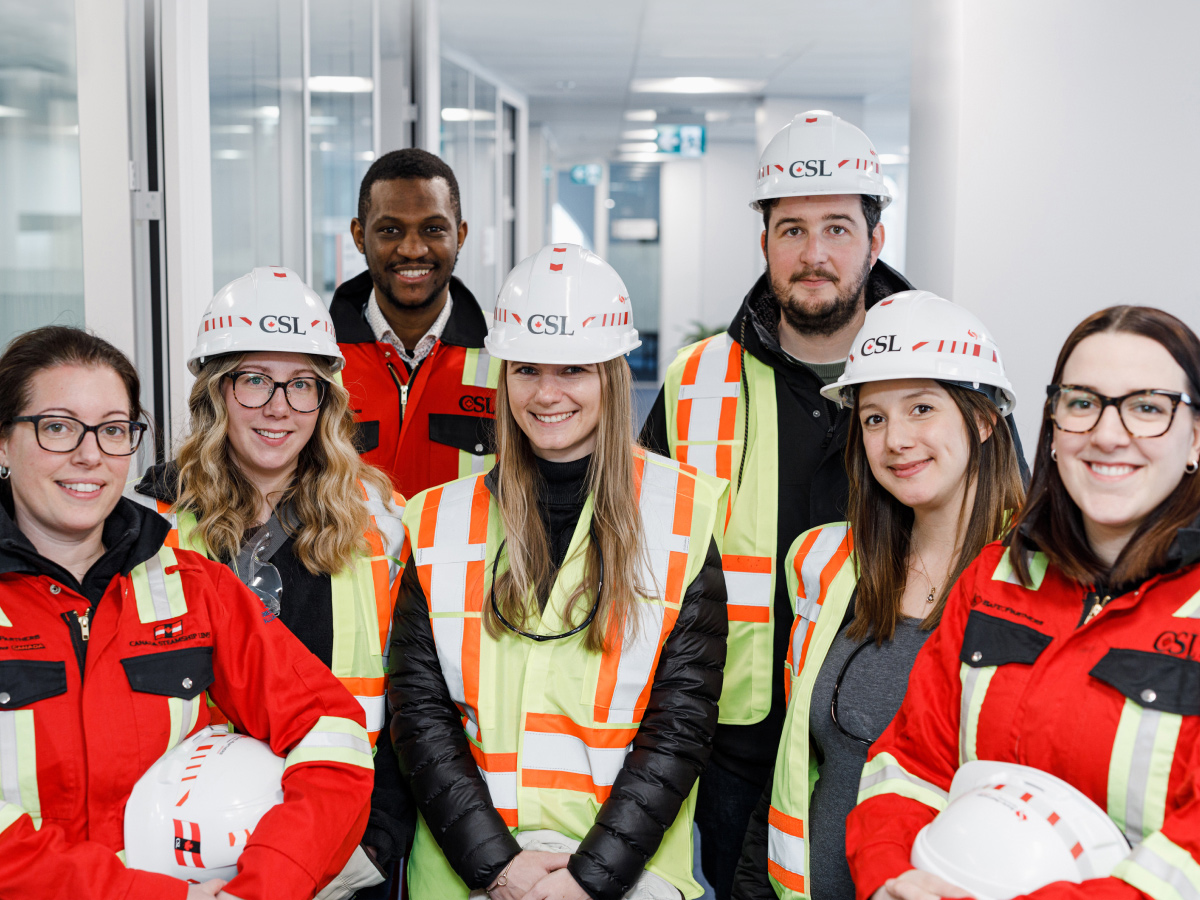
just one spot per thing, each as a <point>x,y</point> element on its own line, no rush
<point>341,133</point>
<point>633,250</point>
<point>41,236</point>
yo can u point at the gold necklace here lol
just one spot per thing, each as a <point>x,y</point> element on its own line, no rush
<point>925,570</point>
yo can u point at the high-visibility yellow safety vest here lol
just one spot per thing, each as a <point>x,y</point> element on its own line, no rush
<point>706,421</point>
<point>821,580</point>
<point>363,596</point>
<point>550,722</point>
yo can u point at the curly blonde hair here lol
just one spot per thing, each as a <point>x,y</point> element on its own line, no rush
<point>325,495</point>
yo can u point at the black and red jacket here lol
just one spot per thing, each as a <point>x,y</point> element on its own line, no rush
<point>431,425</point>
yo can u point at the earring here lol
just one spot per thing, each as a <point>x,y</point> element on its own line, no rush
<point>1054,454</point>
<point>1189,469</point>
<point>5,471</point>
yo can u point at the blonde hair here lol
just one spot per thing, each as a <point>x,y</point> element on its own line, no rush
<point>616,522</point>
<point>324,496</point>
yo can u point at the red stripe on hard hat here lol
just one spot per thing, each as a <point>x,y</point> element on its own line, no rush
<point>872,149</point>
<point>588,321</point>
<point>884,302</point>
<point>315,321</point>
<point>183,799</point>
<point>779,167</point>
<point>1076,850</point>
<point>810,121</point>
<point>919,345</point>
<point>518,318</point>
<point>1026,797</point>
<point>1053,818</point>
<point>977,349</point>
<point>280,274</point>
<point>556,267</point>
<point>560,249</point>
<point>953,344</point>
<point>843,162</point>
<point>994,359</point>
<point>941,344</point>
<point>247,321</point>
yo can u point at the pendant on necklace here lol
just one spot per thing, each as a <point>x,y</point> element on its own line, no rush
<point>929,599</point>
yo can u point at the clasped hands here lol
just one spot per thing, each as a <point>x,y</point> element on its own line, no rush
<point>917,885</point>
<point>536,875</point>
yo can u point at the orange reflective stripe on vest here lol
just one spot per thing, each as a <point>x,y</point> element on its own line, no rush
<point>817,562</point>
<point>707,410</point>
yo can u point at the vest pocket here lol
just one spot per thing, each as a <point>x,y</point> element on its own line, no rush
<point>23,682</point>
<point>366,436</point>
<point>1167,684</point>
<point>471,434</point>
<point>182,673</point>
<point>990,641</point>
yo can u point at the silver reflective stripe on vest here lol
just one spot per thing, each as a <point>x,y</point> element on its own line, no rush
<point>451,552</point>
<point>808,607</point>
<point>1162,869</point>
<point>18,762</point>
<point>657,506</point>
<point>157,579</point>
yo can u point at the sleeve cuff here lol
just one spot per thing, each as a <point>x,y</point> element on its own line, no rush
<point>265,873</point>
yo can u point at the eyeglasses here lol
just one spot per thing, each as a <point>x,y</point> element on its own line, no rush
<point>62,434</point>
<point>1144,414</point>
<point>550,637</point>
<point>837,689</point>
<point>255,390</point>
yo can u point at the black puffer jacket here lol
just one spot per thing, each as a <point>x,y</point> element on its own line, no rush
<point>670,750</point>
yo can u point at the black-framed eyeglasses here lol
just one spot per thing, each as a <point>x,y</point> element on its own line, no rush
<point>550,637</point>
<point>63,434</point>
<point>255,390</point>
<point>837,689</point>
<point>1144,414</point>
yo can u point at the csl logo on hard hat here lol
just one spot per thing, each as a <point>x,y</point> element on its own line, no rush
<point>281,325</point>
<point>809,168</point>
<point>541,324</point>
<point>885,343</point>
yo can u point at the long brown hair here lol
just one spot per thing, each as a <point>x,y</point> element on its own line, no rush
<point>616,521</point>
<point>324,494</point>
<point>1051,521</point>
<point>882,526</point>
<point>49,347</point>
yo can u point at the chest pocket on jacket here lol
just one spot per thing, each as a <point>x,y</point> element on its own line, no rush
<point>366,436</point>
<point>989,642</point>
<point>1159,691</point>
<point>23,682</point>
<point>179,675</point>
<point>471,434</point>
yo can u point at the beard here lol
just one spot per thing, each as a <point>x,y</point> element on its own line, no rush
<point>440,277</point>
<point>827,319</point>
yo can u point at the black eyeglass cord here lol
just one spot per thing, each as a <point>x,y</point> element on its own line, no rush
<point>549,637</point>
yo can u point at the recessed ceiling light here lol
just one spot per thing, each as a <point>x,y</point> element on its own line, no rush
<point>340,84</point>
<point>894,159</point>
<point>461,114</point>
<point>717,115</point>
<point>640,115</point>
<point>639,157</point>
<point>12,112</point>
<point>639,147</point>
<point>697,85</point>
<point>640,134</point>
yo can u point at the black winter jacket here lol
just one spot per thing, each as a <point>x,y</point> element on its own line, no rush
<point>670,750</point>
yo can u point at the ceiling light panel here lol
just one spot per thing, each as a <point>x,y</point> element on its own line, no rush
<point>697,84</point>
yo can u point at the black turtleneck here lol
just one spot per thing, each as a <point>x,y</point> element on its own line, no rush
<point>561,495</point>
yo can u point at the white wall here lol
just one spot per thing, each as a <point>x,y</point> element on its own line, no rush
<point>709,241</point>
<point>1074,161</point>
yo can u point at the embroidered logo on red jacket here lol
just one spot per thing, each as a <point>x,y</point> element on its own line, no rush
<point>168,629</point>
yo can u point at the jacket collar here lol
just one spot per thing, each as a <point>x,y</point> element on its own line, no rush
<point>132,534</point>
<point>467,326</point>
<point>758,317</point>
<point>161,482</point>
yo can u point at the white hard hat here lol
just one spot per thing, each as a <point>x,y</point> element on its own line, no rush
<point>1012,829</point>
<point>818,153</point>
<point>916,334</point>
<point>192,812</point>
<point>562,305</point>
<point>269,309</point>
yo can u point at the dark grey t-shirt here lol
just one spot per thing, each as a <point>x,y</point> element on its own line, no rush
<point>871,692</point>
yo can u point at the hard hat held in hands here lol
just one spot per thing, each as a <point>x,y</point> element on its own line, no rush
<point>1012,829</point>
<point>916,334</point>
<point>562,305</point>
<point>271,309</point>
<point>816,154</point>
<point>192,812</point>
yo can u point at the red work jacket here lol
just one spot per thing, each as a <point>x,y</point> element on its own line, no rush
<point>429,426</point>
<point>85,711</point>
<point>1112,707</point>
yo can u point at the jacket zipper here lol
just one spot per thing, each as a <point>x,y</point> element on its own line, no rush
<point>1098,603</point>
<point>403,389</point>
<point>80,627</point>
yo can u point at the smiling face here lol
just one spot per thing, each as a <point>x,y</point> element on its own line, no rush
<point>916,442</point>
<point>557,407</point>
<point>65,497</point>
<point>819,255</point>
<point>1115,479</point>
<point>411,238</point>
<point>266,442</point>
